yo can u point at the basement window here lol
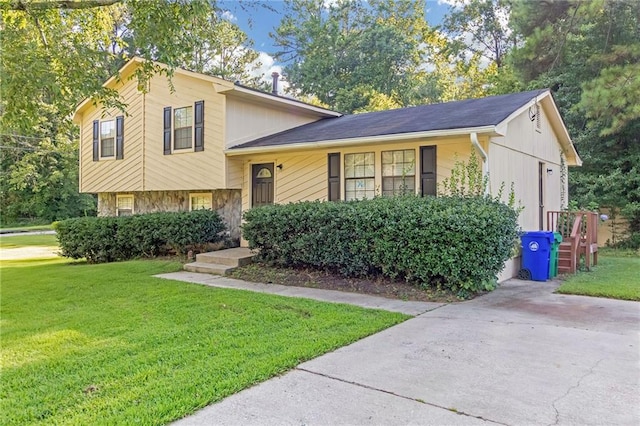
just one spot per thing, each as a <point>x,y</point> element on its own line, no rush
<point>124,205</point>
<point>200,201</point>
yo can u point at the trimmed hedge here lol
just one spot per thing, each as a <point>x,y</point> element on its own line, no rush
<point>108,239</point>
<point>460,243</point>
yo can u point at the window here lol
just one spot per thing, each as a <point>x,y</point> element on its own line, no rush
<point>182,128</point>
<point>359,172</point>
<point>399,172</point>
<point>124,205</point>
<point>199,201</point>
<point>108,138</point>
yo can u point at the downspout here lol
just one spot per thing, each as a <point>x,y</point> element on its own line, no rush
<point>485,159</point>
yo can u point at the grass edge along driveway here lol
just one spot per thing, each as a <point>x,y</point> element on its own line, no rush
<point>110,344</point>
<point>617,276</point>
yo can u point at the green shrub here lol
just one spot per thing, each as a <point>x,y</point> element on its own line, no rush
<point>107,239</point>
<point>460,243</point>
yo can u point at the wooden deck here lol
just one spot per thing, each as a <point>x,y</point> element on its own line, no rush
<point>579,230</point>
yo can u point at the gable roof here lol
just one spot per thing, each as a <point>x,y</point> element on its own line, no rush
<point>125,73</point>
<point>484,115</point>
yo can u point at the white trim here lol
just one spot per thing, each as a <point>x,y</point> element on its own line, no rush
<point>123,196</point>
<point>208,195</point>
<point>396,137</point>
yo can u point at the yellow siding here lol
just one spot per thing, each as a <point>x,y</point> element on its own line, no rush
<point>247,120</point>
<point>304,173</point>
<point>515,157</point>
<point>114,175</point>
<point>189,170</point>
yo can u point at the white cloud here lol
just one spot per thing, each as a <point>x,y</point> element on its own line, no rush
<point>229,16</point>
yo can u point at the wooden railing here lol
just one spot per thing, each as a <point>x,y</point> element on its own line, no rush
<point>580,229</point>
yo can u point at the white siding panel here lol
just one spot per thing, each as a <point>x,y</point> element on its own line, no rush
<point>114,175</point>
<point>190,170</point>
<point>248,120</point>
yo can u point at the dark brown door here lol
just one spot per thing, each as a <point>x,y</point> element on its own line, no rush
<point>261,184</point>
<point>541,195</point>
<point>428,170</point>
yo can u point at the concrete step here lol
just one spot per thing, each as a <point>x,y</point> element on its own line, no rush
<point>233,257</point>
<point>208,268</point>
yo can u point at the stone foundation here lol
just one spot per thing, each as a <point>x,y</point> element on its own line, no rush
<point>227,202</point>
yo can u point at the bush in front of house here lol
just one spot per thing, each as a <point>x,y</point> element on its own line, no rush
<point>454,242</point>
<point>108,239</point>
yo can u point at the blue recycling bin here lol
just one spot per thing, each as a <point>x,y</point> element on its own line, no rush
<point>536,251</point>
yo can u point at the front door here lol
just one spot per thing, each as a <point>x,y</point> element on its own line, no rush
<point>261,184</point>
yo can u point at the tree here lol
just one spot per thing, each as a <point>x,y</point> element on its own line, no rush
<point>587,52</point>
<point>57,53</point>
<point>348,52</point>
<point>480,27</point>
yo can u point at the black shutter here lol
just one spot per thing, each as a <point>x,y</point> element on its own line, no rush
<point>428,170</point>
<point>167,130</point>
<point>334,176</point>
<point>120,137</point>
<point>199,126</point>
<point>96,140</point>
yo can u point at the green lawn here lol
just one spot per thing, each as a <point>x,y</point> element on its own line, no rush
<point>13,241</point>
<point>617,276</point>
<point>109,344</point>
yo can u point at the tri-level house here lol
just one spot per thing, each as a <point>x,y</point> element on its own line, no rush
<point>211,143</point>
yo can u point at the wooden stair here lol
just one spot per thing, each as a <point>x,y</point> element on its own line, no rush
<point>220,262</point>
<point>566,260</point>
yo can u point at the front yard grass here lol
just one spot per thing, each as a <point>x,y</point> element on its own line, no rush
<point>110,344</point>
<point>40,240</point>
<point>617,276</point>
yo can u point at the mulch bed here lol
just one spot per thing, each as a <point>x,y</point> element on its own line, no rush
<point>376,286</point>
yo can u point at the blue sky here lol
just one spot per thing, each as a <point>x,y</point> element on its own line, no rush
<point>258,21</point>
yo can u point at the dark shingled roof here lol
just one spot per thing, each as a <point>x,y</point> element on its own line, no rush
<point>488,111</point>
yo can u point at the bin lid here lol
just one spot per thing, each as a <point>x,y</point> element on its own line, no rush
<point>538,234</point>
<point>558,237</point>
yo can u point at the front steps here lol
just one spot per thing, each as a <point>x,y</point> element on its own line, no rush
<point>220,262</point>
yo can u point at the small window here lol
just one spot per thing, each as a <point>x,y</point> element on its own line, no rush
<point>399,172</point>
<point>200,201</point>
<point>124,205</point>
<point>359,172</point>
<point>183,128</point>
<point>107,138</point>
<point>263,173</point>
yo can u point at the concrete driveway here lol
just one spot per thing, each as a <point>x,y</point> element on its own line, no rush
<point>520,355</point>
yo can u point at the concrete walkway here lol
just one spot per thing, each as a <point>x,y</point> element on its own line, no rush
<point>520,355</point>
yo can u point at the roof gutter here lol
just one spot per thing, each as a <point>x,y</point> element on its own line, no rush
<point>485,159</point>
<point>396,137</point>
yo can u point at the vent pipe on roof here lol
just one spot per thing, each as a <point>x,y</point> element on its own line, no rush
<point>274,89</point>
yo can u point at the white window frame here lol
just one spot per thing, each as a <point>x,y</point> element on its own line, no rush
<point>120,197</point>
<point>405,176</point>
<point>174,128</point>
<point>206,195</point>
<point>107,157</point>
<point>348,178</point>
